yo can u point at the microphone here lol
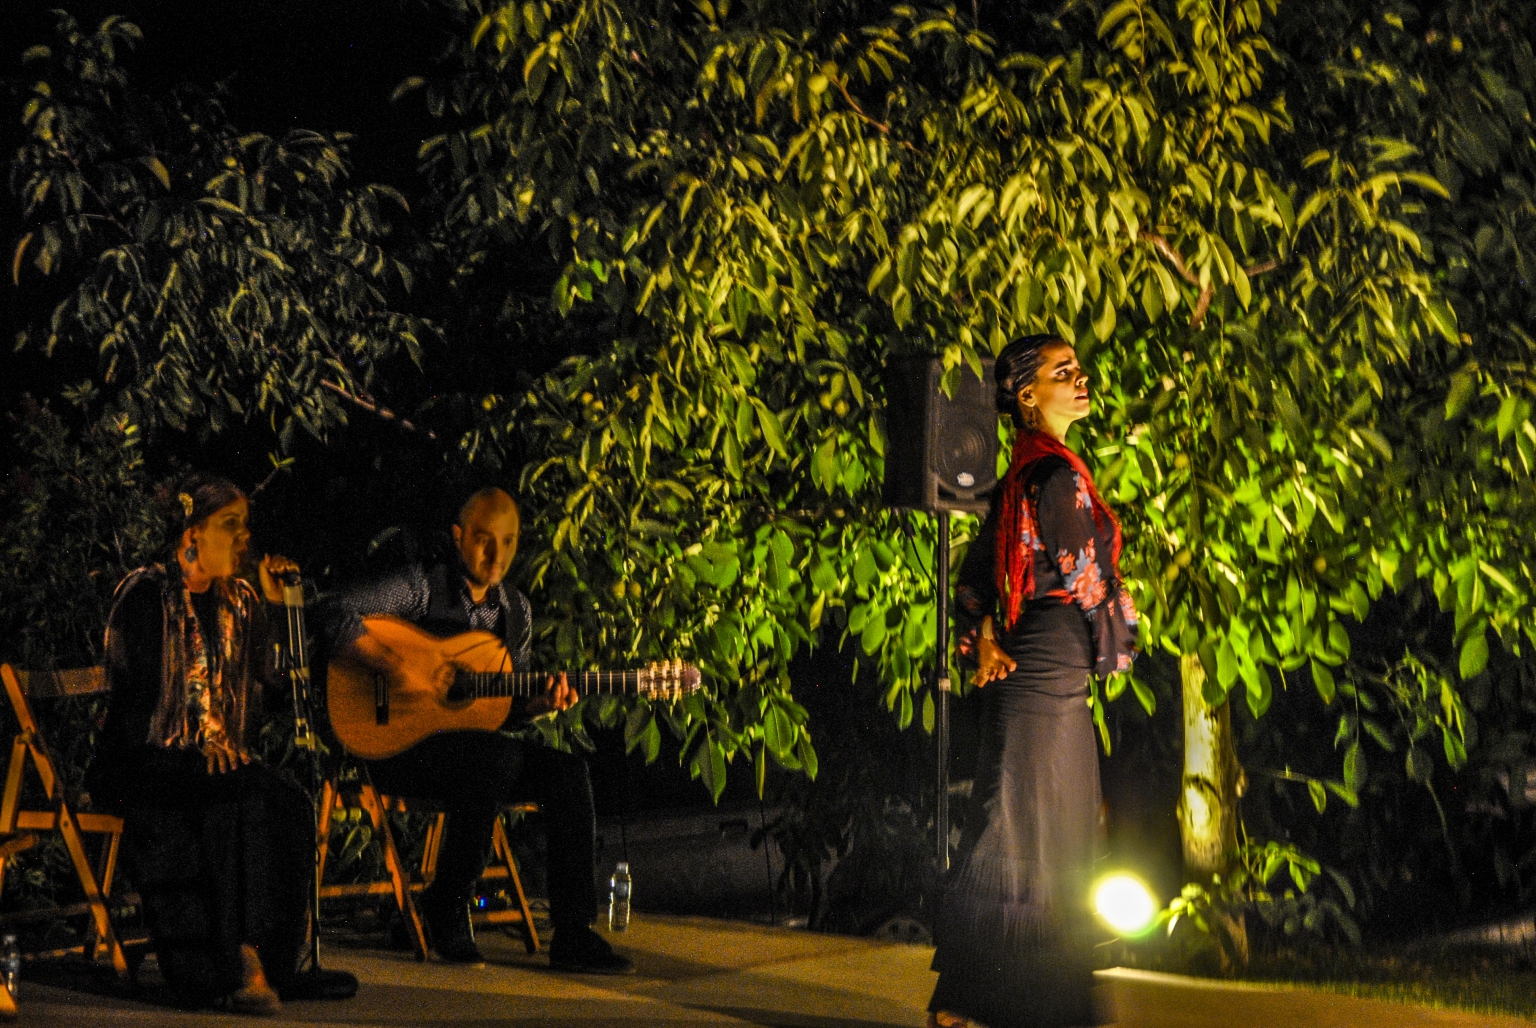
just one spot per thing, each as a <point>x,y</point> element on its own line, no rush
<point>293,588</point>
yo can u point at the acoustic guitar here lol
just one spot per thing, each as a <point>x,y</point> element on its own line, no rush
<point>399,685</point>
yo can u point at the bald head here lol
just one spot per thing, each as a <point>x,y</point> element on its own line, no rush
<point>486,536</point>
<point>490,500</point>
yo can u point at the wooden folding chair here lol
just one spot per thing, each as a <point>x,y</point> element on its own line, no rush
<point>401,884</point>
<point>95,881</point>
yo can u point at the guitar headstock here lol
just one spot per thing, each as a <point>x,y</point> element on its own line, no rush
<point>668,680</point>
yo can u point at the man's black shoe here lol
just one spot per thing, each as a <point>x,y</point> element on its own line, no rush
<point>449,931</point>
<point>320,984</point>
<point>583,951</point>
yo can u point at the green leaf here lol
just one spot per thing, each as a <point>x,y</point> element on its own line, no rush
<point>1104,321</point>
<point>1354,767</point>
<point>1419,766</point>
<point>1474,655</point>
<point>1318,793</point>
<point>865,570</point>
<point>1144,695</point>
<point>778,731</point>
<point>708,764</point>
<point>731,450</point>
<point>807,754</point>
<point>1463,388</point>
<point>158,170</point>
<point>1508,418</point>
<point>873,635</point>
<point>1323,679</point>
<point>773,431</point>
<point>1345,793</point>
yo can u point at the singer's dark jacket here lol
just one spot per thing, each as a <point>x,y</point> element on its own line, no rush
<point>220,860</point>
<point>122,771</point>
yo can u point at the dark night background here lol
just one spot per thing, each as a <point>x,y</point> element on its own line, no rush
<point>329,66</point>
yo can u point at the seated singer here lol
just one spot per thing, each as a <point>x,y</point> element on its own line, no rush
<point>474,773</point>
<point>218,844</point>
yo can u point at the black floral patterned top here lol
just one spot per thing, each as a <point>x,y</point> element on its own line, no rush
<point>1072,563</point>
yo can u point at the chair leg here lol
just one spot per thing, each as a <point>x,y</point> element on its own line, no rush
<point>12,796</point>
<point>105,938</point>
<point>431,847</point>
<point>109,854</point>
<point>503,850</point>
<point>396,869</point>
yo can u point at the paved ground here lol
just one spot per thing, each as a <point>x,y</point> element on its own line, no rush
<point>702,972</point>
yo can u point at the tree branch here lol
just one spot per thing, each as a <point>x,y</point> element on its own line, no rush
<point>1208,291</point>
<point>373,408</point>
<point>881,127</point>
<point>1171,255</point>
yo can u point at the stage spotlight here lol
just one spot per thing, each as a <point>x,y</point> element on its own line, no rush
<point>1125,904</point>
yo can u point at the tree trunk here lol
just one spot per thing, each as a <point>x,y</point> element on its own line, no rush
<point>1208,799</point>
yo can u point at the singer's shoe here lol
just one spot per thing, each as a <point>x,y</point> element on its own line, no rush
<point>583,951</point>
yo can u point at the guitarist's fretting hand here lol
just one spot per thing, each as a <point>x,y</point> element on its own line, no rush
<point>557,695</point>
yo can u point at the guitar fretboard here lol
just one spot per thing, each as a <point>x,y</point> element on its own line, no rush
<point>482,684</point>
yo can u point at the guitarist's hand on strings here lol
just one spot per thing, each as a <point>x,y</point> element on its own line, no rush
<point>557,695</point>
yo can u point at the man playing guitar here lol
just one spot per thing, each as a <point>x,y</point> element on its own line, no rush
<point>474,773</point>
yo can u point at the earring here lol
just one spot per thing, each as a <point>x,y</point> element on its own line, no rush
<point>192,554</point>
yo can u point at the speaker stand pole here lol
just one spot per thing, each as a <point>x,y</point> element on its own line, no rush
<point>941,697</point>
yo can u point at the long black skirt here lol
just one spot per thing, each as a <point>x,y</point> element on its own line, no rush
<point>1013,928</point>
<point>220,861</point>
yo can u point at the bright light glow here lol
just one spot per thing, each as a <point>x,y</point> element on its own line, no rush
<point>1125,904</point>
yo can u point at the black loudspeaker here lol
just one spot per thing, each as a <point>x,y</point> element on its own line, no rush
<point>940,451</point>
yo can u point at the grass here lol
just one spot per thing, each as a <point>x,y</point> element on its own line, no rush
<point>1481,979</point>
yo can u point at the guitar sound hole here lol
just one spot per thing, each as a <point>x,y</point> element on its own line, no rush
<point>459,689</point>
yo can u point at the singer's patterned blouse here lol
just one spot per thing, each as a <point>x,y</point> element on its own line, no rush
<point>1072,565</point>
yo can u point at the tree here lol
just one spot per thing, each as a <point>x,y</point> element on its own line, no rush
<point>767,200</point>
<point>1452,510</point>
<point>221,276</point>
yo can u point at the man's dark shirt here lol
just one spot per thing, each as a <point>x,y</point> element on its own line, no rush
<point>436,599</point>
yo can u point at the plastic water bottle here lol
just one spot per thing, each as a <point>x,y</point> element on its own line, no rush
<point>619,888</point>
<point>10,963</point>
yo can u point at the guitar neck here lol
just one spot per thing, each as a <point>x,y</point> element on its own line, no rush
<point>482,684</point>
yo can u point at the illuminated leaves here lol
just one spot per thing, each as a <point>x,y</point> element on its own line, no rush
<point>247,283</point>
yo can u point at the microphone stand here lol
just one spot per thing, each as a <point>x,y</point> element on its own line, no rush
<point>296,664</point>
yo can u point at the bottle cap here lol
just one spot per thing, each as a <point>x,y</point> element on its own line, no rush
<point>623,867</point>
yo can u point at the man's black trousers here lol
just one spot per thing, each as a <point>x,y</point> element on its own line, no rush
<point>473,775</point>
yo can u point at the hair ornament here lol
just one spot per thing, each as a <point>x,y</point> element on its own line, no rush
<point>186,503</point>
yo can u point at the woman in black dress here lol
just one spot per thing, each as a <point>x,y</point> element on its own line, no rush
<point>1040,606</point>
<point>219,845</point>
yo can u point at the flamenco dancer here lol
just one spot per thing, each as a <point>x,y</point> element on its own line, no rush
<point>1041,606</point>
